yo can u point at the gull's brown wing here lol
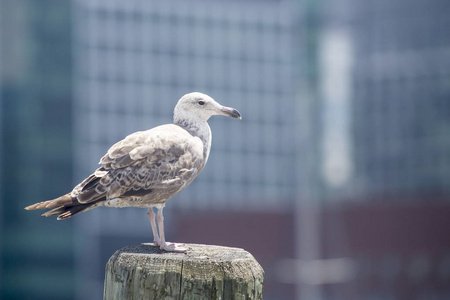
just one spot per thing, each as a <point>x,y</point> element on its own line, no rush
<point>162,158</point>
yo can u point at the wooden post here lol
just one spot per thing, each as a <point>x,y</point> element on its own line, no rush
<point>204,272</point>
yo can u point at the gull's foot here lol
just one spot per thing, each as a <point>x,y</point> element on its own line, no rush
<point>157,242</point>
<point>173,247</point>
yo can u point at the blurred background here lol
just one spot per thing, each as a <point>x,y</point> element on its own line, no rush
<point>337,179</point>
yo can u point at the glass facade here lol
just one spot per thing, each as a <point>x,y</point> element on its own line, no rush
<point>135,59</point>
<point>379,150</point>
<point>401,91</point>
<point>380,85</point>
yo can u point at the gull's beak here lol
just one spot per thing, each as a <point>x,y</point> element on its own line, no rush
<point>230,112</point>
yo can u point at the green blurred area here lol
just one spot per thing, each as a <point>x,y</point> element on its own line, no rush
<point>36,150</point>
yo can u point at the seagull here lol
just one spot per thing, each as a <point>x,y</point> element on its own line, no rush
<point>147,168</point>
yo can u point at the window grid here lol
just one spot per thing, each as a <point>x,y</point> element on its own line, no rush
<point>140,60</point>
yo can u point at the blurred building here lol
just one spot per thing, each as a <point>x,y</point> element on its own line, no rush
<point>401,88</point>
<point>379,117</point>
<point>336,179</point>
<point>36,259</point>
<point>382,84</point>
<point>135,59</point>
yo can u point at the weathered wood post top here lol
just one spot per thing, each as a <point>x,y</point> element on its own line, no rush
<point>204,272</point>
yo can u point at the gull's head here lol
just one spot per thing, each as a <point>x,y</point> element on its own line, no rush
<point>198,107</point>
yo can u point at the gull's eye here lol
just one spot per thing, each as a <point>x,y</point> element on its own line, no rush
<point>201,102</point>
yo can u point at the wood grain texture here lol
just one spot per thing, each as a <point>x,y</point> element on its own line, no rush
<point>204,272</point>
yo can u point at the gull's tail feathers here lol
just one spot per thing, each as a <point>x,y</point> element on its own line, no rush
<point>64,206</point>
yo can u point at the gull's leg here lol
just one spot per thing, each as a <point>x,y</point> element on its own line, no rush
<point>151,217</point>
<point>173,247</point>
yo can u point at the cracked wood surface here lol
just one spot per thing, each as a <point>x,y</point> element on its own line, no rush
<point>204,272</point>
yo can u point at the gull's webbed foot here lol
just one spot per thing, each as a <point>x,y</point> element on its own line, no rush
<point>173,247</point>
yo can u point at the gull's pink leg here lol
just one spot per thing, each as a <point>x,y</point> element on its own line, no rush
<point>172,247</point>
<point>151,217</point>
